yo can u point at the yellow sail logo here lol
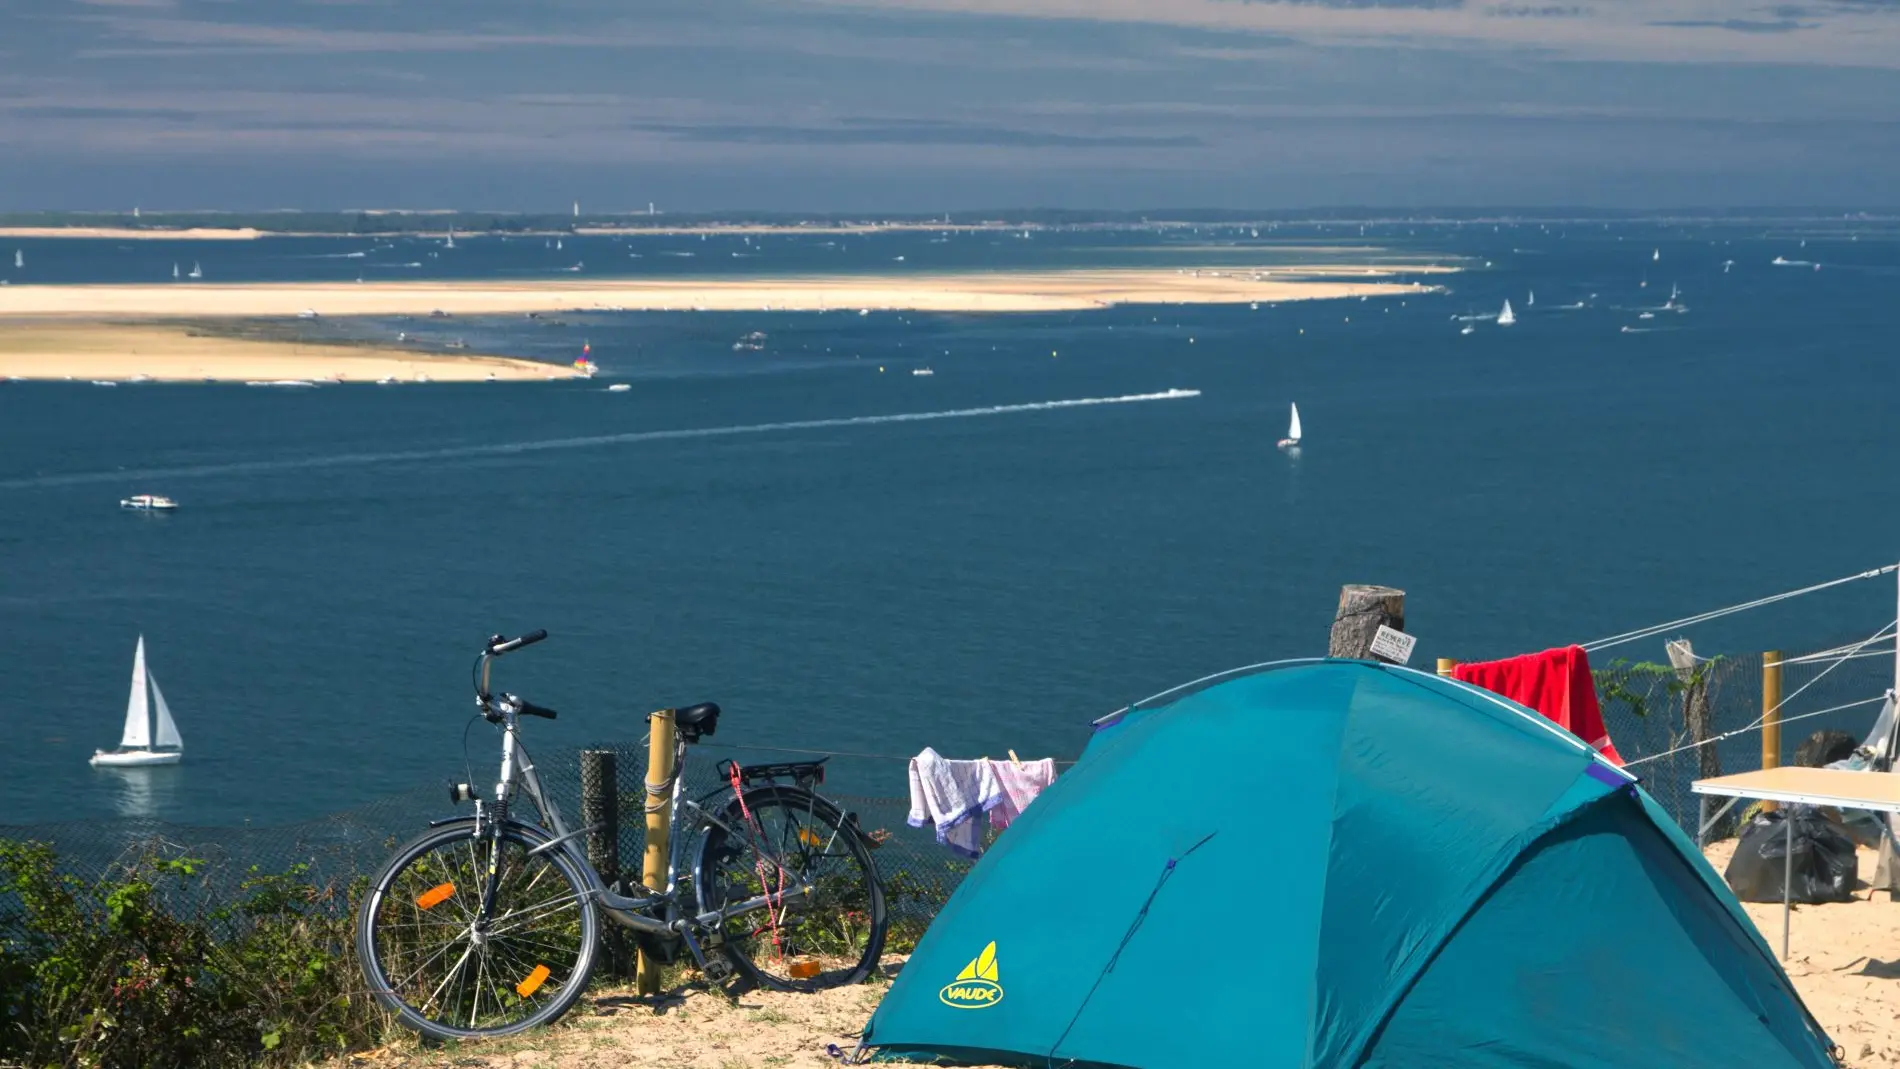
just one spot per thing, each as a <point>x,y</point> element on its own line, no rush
<point>976,987</point>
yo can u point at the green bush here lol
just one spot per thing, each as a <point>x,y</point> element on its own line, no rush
<point>134,970</point>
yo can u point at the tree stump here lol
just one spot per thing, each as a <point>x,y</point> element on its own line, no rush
<point>1361,610</point>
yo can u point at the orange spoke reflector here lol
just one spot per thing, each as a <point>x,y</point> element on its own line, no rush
<point>534,981</point>
<point>435,896</point>
<point>804,969</point>
<point>810,837</point>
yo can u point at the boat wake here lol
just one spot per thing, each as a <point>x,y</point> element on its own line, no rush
<point>502,449</point>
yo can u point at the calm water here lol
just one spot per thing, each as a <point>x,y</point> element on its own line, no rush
<point>975,582</point>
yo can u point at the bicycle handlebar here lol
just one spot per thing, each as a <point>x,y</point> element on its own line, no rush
<point>498,645</point>
<point>528,708</point>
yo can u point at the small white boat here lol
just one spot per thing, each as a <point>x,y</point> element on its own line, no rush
<point>450,244</point>
<point>19,259</point>
<point>1506,317</point>
<point>196,271</point>
<point>308,313</point>
<point>1647,315</point>
<point>386,380</point>
<point>104,382</point>
<point>174,269</point>
<point>151,738</point>
<point>1655,256</point>
<point>1468,329</point>
<point>280,382</point>
<point>1530,300</point>
<point>619,387</point>
<point>148,503</point>
<point>921,371</point>
<point>1292,439</point>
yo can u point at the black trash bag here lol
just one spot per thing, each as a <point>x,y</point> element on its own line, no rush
<point>1825,869</point>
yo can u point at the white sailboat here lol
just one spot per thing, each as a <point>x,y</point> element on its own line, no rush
<point>196,271</point>
<point>1506,317</point>
<point>1530,301</point>
<point>19,259</point>
<point>450,244</point>
<point>1292,439</point>
<point>174,269</point>
<point>151,738</point>
<point>1655,255</point>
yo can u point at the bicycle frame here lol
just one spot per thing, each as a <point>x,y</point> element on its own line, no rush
<point>517,770</point>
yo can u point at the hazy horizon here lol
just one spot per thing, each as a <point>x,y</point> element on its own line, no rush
<point>949,105</point>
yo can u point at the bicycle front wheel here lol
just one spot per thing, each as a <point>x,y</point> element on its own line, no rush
<point>816,917</point>
<point>454,961</point>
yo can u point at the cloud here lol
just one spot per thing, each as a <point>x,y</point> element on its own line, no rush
<point>1740,25</point>
<point>907,132</point>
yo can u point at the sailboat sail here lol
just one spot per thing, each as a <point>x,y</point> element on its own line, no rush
<point>1293,427</point>
<point>1506,317</point>
<point>138,718</point>
<point>167,730</point>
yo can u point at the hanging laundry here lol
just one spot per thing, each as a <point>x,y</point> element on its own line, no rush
<point>949,795</point>
<point>1021,781</point>
<point>1556,683</point>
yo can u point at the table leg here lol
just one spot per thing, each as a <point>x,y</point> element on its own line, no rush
<point>1787,882</point>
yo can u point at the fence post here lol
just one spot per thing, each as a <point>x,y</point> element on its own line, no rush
<point>1446,666</point>
<point>659,792</point>
<point>1770,715</point>
<point>600,814</point>
<point>1361,610</point>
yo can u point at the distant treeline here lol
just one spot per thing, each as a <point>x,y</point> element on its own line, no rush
<point>397,221</point>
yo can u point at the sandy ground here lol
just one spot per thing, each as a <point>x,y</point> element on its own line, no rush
<point>122,233</point>
<point>975,292</point>
<point>91,351</point>
<point>1845,960</point>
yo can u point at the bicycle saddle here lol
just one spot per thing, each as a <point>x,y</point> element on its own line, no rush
<point>697,720</point>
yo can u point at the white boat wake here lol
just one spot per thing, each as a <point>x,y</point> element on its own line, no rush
<point>502,449</point>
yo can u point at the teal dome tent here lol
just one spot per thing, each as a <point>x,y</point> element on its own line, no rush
<point>1339,864</point>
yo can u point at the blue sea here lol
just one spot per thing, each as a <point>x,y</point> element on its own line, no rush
<point>756,528</point>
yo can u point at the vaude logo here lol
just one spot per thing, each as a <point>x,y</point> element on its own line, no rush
<point>977,986</point>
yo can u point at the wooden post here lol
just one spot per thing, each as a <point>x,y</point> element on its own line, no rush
<point>1447,666</point>
<point>1361,610</point>
<point>600,812</point>
<point>659,793</point>
<point>1770,715</point>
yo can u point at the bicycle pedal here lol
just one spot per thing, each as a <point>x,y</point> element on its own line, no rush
<point>718,969</point>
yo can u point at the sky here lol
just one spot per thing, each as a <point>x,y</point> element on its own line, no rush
<point>947,105</point>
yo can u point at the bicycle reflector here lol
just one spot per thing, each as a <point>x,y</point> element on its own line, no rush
<point>435,896</point>
<point>461,792</point>
<point>535,978</point>
<point>803,969</point>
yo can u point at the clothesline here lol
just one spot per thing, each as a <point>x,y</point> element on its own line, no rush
<point>1755,724</point>
<point>1751,727</point>
<point>1650,632</point>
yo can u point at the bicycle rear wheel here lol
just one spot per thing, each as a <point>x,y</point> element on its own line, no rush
<point>451,966</point>
<point>823,921</point>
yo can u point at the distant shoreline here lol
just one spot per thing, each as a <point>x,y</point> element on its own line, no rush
<point>175,352</point>
<point>978,292</point>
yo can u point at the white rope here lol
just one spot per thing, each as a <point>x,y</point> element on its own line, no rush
<point>1649,632</point>
<point>1816,658</point>
<point>1818,676</point>
<point>1746,730</point>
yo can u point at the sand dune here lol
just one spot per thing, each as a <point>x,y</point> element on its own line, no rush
<point>972,292</point>
<point>123,233</point>
<point>165,353</point>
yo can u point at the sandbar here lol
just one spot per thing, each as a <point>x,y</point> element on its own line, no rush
<point>170,352</point>
<point>139,233</point>
<point>1042,291</point>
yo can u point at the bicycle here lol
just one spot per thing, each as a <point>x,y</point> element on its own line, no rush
<point>487,925</point>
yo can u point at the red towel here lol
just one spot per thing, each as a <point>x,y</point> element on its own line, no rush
<point>1556,683</point>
